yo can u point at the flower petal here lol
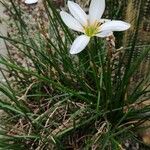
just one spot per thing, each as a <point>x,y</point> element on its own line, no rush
<point>79,44</point>
<point>115,25</point>
<point>71,22</point>
<point>96,10</point>
<point>104,34</point>
<point>31,1</point>
<point>78,13</point>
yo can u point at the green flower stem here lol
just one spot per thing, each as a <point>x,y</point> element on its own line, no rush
<point>93,66</point>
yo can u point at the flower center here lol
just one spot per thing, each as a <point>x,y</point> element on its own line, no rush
<point>92,30</point>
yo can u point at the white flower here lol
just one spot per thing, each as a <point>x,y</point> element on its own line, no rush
<point>91,25</point>
<point>31,1</point>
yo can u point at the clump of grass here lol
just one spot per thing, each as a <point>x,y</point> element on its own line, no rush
<point>61,101</point>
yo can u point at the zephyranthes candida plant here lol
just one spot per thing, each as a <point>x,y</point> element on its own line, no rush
<point>31,1</point>
<point>90,25</point>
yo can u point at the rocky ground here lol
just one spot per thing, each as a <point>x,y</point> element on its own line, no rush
<point>3,51</point>
<point>3,31</point>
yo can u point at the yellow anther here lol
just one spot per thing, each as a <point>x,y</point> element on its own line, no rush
<point>93,29</point>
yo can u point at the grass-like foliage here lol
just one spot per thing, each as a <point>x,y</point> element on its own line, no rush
<point>61,101</point>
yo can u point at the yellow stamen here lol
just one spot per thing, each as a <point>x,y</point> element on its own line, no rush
<point>92,30</point>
